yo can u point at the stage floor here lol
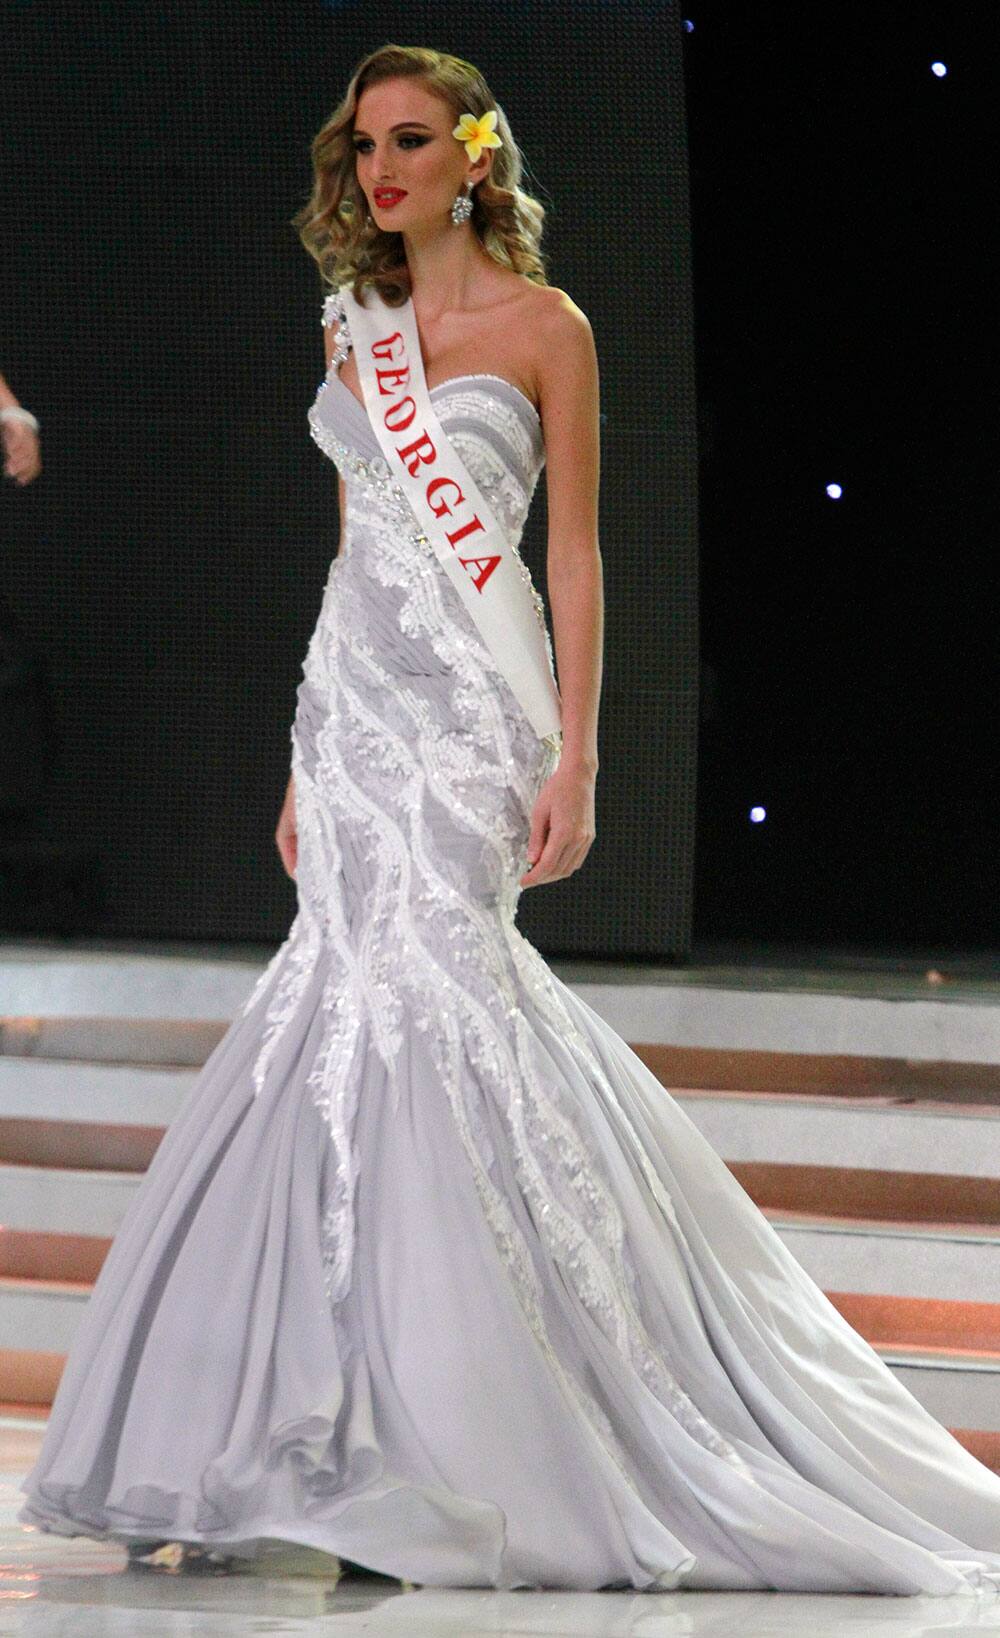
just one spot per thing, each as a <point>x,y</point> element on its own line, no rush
<point>58,1587</point>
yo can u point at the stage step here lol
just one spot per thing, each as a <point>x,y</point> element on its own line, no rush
<point>932,1077</point>
<point>921,1322</point>
<point>107,1039</point>
<point>939,1260</point>
<point>886,1258</point>
<point>144,1036</point>
<point>900,1013</point>
<point>907,1132</point>
<point>62,1200</point>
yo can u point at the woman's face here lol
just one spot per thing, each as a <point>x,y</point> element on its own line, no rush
<point>403,142</point>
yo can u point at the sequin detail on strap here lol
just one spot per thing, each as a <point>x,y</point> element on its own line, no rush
<point>334,313</point>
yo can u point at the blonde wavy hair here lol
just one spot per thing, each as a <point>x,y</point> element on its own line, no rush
<point>332,224</point>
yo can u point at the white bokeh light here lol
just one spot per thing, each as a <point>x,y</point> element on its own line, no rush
<point>939,70</point>
<point>834,491</point>
<point>758,815</point>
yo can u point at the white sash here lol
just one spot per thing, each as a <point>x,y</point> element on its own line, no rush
<point>450,508</point>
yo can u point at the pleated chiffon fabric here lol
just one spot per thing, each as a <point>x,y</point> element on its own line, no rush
<point>429,1271</point>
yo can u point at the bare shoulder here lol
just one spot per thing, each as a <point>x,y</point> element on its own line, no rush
<point>555,315</point>
<point>564,354</point>
<point>569,405</point>
<point>563,332</point>
<point>544,306</point>
<point>558,310</point>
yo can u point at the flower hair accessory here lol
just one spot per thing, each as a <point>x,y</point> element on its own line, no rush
<point>478,134</point>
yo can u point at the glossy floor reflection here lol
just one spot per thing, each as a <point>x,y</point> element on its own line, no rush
<point>59,1587</point>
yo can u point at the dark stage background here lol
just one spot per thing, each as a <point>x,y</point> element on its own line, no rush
<point>165,571</point>
<point>843,196</point>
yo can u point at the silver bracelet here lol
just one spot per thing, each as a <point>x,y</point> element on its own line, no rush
<point>18,414</point>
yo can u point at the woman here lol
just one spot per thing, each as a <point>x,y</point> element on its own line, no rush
<point>429,1270</point>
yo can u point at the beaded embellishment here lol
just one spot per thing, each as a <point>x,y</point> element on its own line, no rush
<point>334,312</point>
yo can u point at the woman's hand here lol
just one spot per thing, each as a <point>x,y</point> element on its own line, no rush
<point>562,824</point>
<point>23,460</point>
<point>286,834</point>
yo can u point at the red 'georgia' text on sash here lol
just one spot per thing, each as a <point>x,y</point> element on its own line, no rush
<point>443,491</point>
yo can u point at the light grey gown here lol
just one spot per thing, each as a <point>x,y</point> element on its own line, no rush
<point>430,1271</point>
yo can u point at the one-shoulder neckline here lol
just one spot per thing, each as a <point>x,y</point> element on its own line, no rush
<point>334,375</point>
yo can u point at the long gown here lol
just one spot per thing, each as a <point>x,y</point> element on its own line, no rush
<point>429,1270</point>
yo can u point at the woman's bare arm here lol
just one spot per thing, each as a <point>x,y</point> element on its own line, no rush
<point>563,819</point>
<point>568,390</point>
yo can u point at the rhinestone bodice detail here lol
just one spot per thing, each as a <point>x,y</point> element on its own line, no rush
<point>488,420</point>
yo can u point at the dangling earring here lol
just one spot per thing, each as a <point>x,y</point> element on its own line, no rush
<point>461,210</point>
<point>368,220</point>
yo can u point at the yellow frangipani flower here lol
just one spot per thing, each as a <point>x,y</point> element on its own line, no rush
<point>478,134</point>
